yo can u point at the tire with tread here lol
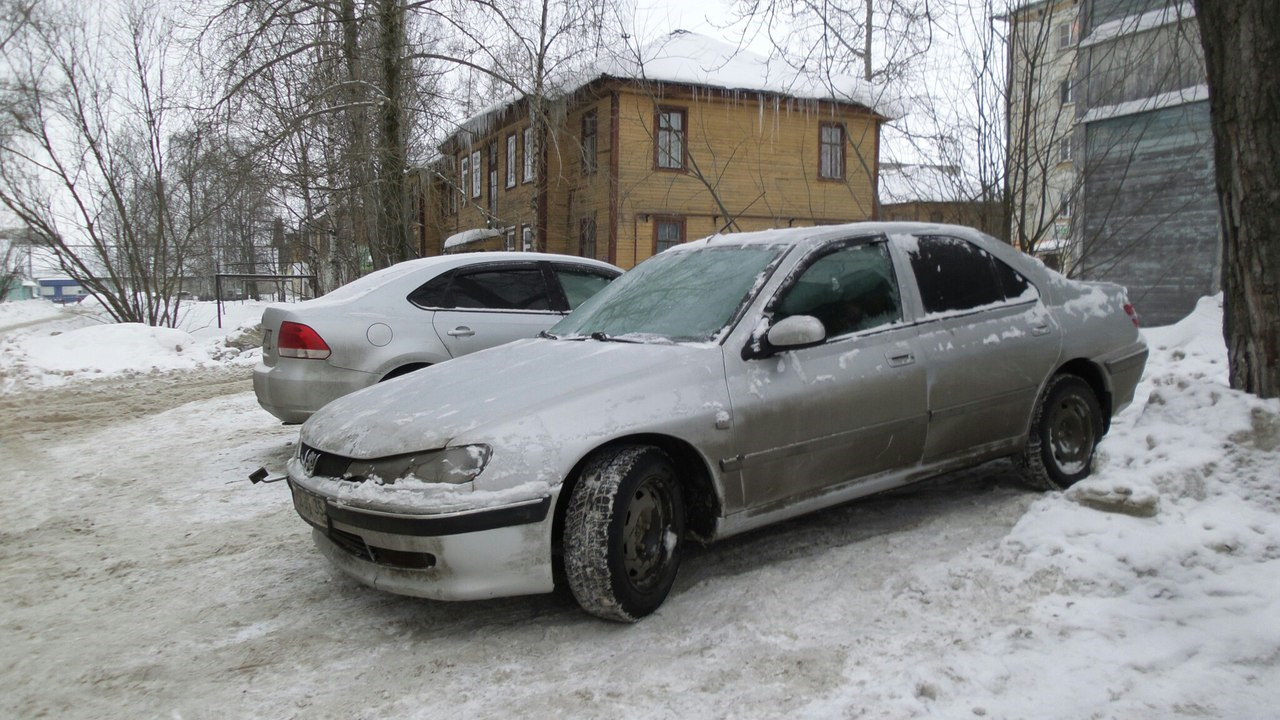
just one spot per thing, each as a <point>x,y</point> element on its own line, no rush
<point>1065,430</point>
<point>624,532</point>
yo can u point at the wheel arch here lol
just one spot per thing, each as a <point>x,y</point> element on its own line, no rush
<point>1096,377</point>
<point>404,369</point>
<point>702,502</point>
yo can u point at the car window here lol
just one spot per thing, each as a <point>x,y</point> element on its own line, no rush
<point>580,283</point>
<point>678,295</point>
<point>508,289</point>
<point>954,274</point>
<point>850,289</point>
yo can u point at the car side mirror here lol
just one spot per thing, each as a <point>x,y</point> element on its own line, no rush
<point>796,331</point>
<point>791,332</point>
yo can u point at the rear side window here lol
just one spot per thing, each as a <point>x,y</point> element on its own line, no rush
<point>580,284</point>
<point>956,275</point>
<point>521,288</point>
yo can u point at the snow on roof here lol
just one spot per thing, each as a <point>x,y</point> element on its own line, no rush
<point>906,183</point>
<point>469,236</point>
<point>1182,96</point>
<point>689,58</point>
<point>1131,24</point>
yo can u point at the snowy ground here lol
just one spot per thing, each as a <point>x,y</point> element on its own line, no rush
<point>144,578</point>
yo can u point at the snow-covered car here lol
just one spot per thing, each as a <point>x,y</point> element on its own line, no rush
<point>409,316</point>
<point>720,386</point>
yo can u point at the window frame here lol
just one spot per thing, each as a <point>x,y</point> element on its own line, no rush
<point>527,169</point>
<point>993,276</point>
<point>511,159</point>
<point>682,134</point>
<point>660,220</point>
<point>825,145</point>
<point>584,224</point>
<point>1066,92</point>
<point>476,175</point>
<point>465,187</point>
<point>590,132</point>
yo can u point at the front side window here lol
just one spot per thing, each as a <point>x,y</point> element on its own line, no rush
<point>667,233</point>
<point>849,290</point>
<point>955,275</point>
<point>831,151</point>
<point>670,139</point>
<point>589,142</point>
<point>580,284</point>
<point>683,296</point>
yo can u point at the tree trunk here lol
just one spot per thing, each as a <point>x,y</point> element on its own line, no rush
<point>1242,57</point>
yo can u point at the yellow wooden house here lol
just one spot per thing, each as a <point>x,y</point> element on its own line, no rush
<point>694,138</point>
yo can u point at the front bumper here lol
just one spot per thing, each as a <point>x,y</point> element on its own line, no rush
<point>461,555</point>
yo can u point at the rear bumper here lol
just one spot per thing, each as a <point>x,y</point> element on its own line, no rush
<point>1125,369</point>
<point>294,389</point>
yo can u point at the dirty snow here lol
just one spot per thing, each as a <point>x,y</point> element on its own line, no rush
<point>145,578</point>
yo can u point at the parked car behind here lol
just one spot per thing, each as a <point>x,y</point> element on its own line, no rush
<point>410,316</point>
<point>720,386</point>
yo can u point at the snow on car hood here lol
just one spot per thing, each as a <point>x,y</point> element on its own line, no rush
<point>539,391</point>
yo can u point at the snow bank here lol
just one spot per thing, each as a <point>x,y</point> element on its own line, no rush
<point>46,345</point>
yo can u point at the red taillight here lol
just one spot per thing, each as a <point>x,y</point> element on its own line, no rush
<point>1133,314</point>
<point>300,341</point>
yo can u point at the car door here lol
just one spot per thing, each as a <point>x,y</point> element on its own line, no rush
<point>808,419</point>
<point>988,344</point>
<point>488,305</point>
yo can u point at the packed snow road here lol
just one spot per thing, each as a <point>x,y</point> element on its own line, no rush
<point>143,576</point>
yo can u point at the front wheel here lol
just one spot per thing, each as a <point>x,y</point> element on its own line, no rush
<point>624,533</point>
<point>1065,431</point>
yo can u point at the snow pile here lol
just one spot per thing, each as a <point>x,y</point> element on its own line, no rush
<point>1153,580</point>
<point>46,345</point>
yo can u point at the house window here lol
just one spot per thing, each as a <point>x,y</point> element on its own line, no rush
<point>1066,35</point>
<point>526,238</point>
<point>475,174</point>
<point>831,151</point>
<point>1065,211</point>
<point>465,180</point>
<point>493,178</point>
<point>1066,92</point>
<point>589,142</point>
<point>511,160</point>
<point>528,155</point>
<point>1065,149</point>
<point>667,233</point>
<point>587,237</point>
<point>669,146</point>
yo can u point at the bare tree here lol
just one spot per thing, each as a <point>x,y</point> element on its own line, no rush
<point>1242,53</point>
<point>85,164</point>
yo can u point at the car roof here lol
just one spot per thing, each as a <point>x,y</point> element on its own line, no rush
<point>822,233</point>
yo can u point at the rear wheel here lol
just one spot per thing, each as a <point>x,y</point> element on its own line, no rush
<point>623,533</point>
<point>1065,431</point>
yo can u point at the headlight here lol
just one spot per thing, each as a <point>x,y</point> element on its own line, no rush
<point>454,466</point>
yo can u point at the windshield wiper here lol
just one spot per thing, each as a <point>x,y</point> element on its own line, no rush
<point>547,336</point>
<point>606,337</point>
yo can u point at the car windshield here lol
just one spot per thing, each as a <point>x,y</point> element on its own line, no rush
<point>681,296</point>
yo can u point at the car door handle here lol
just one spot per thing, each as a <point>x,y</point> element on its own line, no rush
<point>461,331</point>
<point>900,360</point>
<point>1039,330</point>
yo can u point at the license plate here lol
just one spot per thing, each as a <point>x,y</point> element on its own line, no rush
<point>310,507</point>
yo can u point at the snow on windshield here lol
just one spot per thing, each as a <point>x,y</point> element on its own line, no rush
<point>687,296</point>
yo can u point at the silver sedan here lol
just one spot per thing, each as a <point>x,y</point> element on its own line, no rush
<point>409,316</point>
<point>722,385</point>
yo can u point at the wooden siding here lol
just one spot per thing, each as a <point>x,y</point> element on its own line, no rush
<point>759,153</point>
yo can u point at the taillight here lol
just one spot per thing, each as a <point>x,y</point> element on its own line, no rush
<point>1133,314</point>
<point>300,341</point>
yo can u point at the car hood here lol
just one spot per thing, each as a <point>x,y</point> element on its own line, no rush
<point>532,392</point>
